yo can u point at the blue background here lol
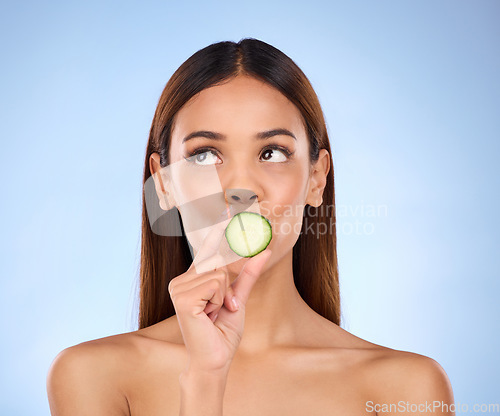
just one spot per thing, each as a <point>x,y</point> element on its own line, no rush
<point>410,91</point>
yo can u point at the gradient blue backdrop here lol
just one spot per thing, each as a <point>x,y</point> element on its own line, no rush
<point>410,91</point>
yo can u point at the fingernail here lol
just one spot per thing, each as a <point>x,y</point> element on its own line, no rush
<point>235,303</point>
<point>214,317</point>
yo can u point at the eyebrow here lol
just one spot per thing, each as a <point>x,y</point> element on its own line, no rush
<point>219,136</point>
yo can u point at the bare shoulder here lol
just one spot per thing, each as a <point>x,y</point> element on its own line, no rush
<point>88,378</point>
<point>397,377</point>
<point>113,376</point>
<point>388,376</point>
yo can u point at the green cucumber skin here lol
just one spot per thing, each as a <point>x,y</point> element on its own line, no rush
<point>232,225</point>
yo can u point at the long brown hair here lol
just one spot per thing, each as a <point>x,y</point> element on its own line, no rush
<point>315,268</point>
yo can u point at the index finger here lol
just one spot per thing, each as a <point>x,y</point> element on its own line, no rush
<point>213,239</point>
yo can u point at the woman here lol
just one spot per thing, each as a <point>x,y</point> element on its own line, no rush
<point>239,126</point>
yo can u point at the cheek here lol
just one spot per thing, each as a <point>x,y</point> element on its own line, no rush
<point>284,209</point>
<point>192,183</point>
<point>286,222</point>
<point>198,196</point>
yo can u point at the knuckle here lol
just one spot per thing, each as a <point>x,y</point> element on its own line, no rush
<point>171,286</point>
<point>216,284</point>
<point>180,301</point>
<point>221,274</point>
<point>174,282</point>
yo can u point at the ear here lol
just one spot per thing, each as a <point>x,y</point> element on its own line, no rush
<point>162,182</point>
<point>317,179</point>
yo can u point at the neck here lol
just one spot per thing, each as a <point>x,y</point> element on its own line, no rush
<point>275,312</point>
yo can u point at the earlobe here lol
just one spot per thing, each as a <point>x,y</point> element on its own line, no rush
<point>315,199</point>
<point>315,196</point>
<point>319,198</point>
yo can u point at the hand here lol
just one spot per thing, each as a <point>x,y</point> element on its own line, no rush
<point>211,326</point>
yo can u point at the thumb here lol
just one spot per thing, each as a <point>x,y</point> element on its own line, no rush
<point>243,284</point>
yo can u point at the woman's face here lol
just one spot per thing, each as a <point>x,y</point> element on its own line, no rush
<point>235,162</point>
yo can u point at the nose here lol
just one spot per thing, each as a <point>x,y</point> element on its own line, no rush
<point>240,198</point>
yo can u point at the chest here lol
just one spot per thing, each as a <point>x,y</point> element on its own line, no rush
<point>279,391</point>
<point>259,388</point>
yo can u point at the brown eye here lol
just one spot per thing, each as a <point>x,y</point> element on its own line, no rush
<point>274,155</point>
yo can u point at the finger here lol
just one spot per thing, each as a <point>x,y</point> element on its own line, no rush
<point>194,281</point>
<point>193,302</point>
<point>190,281</point>
<point>228,294</point>
<point>209,265</point>
<point>249,275</point>
<point>212,241</point>
<point>216,303</point>
<point>213,316</point>
<point>212,293</point>
<point>213,264</point>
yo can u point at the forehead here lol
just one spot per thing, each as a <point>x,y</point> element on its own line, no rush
<point>242,106</point>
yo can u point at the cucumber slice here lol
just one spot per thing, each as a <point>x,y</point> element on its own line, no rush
<point>248,233</point>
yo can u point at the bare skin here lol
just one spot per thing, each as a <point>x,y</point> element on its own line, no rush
<point>311,376</point>
<point>290,359</point>
<point>327,372</point>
